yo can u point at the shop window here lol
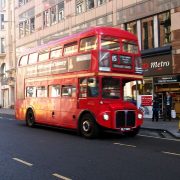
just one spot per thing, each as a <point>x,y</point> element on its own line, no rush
<point>164,28</point>
<point>130,46</point>
<point>147,33</point>
<point>54,90</point>
<point>131,27</point>
<point>30,91</point>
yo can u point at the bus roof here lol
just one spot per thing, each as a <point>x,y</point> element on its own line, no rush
<point>117,32</point>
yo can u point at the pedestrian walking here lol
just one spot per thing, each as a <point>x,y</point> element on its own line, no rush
<point>167,106</point>
<point>155,108</point>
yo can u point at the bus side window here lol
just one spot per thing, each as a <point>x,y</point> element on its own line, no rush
<point>56,53</point>
<point>33,58</point>
<point>88,44</point>
<point>70,48</point>
<point>23,60</point>
<point>41,91</point>
<point>83,87</point>
<point>44,56</point>
<point>93,87</point>
<point>54,90</point>
<point>30,91</point>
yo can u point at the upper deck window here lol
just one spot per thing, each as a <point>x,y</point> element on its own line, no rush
<point>44,56</point>
<point>23,60</point>
<point>130,46</point>
<point>33,58</point>
<point>70,48</point>
<point>110,43</point>
<point>56,53</point>
<point>89,43</point>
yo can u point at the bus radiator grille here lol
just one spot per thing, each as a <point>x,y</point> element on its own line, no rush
<point>125,119</point>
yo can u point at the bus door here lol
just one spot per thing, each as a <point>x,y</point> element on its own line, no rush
<point>68,106</point>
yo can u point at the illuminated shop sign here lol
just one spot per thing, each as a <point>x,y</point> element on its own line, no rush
<point>157,65</point>
<point>168,79</point>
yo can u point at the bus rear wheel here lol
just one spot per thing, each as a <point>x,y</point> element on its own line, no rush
<point>88,127</point>
<point>30,119</point>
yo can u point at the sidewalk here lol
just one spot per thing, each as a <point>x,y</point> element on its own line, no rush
<point>170,126</point>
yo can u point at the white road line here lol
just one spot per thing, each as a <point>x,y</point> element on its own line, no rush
<point>61,177</point>
<point>23,162</point>
<point>178,140</point>
<point>170,153</point>
<point>128,145</point>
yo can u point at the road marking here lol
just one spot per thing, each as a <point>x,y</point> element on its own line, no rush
<point>170,153</point>
<point>61,177</point>
<point>128,145</point>
<point>178,140</point>
<point>23,162</point>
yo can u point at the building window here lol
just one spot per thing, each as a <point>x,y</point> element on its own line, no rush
<point>147,33</point>
<point>90,4</point>
<point>27,27</point>
<point>164,28</point>
<point>61,11</point>
<point>131,27</point>
<point>32,24</point>
<point>22,2</point>
<point>100,2</point>
<point>79,6</point>
<point>2,45</point>
<point>2,21</point>
<point>53,11</point>
<point>2,3</point>
<point>46,18</point>
<point>21,30</point>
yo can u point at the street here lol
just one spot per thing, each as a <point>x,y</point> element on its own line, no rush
<point>44,153</point>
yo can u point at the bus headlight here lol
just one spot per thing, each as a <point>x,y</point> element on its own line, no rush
<point>105,116</point>
<point>140,116</point>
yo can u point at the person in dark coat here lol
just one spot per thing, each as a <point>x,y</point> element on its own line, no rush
<point>155,108</point>
<point>168,106</point>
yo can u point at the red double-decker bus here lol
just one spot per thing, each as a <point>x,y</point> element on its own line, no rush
<point>77,82</point>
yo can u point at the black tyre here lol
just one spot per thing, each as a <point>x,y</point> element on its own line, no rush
<point>88,127</point>
<point>30,119</point>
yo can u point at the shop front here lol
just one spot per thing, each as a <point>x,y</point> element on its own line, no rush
<point>159,78</point>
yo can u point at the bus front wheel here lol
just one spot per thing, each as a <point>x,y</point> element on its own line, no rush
<point>88,127</point>
<point>30,119</point>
